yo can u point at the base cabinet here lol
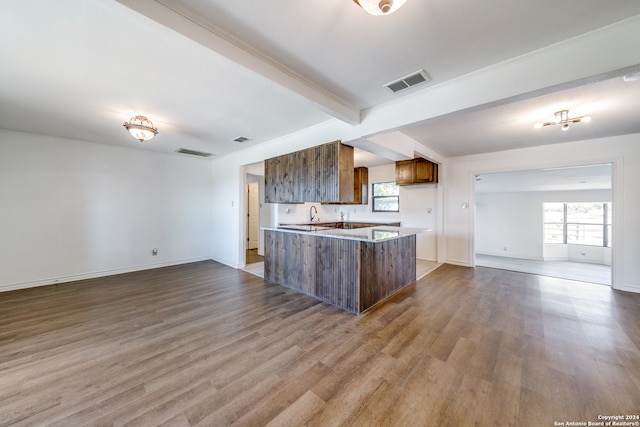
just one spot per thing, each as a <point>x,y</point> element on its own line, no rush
<point>351,274</point>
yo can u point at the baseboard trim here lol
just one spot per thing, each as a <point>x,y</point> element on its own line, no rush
<point>93,275</point>
<point>630,288</point>
<point>459,263</point>
<point>237,266</point>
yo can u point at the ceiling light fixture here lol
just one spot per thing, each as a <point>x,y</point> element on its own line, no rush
<point>141,128</point>
<point>562,118</point>
<point>380,7</point>
<point>632,77</point>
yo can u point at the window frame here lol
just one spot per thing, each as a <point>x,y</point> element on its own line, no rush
<point>565,224</point>
<point>374,197</point>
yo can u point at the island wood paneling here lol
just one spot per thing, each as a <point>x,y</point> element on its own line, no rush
<point>385,268</point>
<point>337,271</point>
<point>351,274</point>
<point>323,267</point>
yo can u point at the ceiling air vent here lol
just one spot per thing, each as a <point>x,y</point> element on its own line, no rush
<point>193,152</point>
<point>241,139</point>
<point>406,82</point>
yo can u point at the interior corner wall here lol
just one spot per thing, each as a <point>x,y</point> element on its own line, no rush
<point>623,151</point>
<point>510,224</point>
<point>72,210</point>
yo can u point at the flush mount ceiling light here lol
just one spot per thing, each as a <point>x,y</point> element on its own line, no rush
<point>380,7</point>
<point>141,128</point>
<point>633,77</point>
<point>562,118</point>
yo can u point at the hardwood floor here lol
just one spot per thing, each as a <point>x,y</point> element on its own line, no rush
<point>252,256</point>
<point>205,344</point>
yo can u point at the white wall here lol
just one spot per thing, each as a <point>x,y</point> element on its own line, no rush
<point>72,209</point>
<point>622,151</point>
<point>510,224</point>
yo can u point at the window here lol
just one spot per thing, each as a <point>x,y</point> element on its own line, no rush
<point>578,223</point>
<point>386,197</point>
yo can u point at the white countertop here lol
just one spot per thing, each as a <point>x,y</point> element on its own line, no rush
<point>368,234</point>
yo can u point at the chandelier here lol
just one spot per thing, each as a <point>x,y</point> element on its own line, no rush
<point>141,128</point>
<point>380,7</point>
<point>562,118</point>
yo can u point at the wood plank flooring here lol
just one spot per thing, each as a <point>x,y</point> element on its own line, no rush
<point>204,344</point>
<point>252,257</point>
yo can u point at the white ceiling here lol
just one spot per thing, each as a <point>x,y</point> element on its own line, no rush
<point>613,104</point>
<point>586,177</point>
<point>80,68</point>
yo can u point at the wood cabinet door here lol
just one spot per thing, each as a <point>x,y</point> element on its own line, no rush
<point>405,172</point>
<point>361,185</point>
<point>416,171</point>
<point>318,174</point>
<point>270,180</point>
<point>425,171</point>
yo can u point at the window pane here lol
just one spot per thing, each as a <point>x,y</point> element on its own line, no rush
<point>585,234</point>
<point>386,189</point>
<point>554,233</point>
<point>585,223</point>
<point>553,214</point>
<point>585,213</point>
<point>386,204</point>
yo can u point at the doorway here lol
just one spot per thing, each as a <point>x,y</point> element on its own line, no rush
<point>253,216</point>
<point>257,215</point>
<point>252,224</point>
<point>517,230</point>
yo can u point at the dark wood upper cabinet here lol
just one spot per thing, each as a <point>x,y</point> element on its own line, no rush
<point>318,174</point>
<point>361,185</point>
<point>416,171</point>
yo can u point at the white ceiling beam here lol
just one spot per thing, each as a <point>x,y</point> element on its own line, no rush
<point>171,15</point>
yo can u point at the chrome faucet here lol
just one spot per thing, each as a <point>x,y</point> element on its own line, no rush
<point>312,215</point>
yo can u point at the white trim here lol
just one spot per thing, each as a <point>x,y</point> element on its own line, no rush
<point>460,263</point>
<point>617,189</point>
<point>629,288</point>
<point>95,274</point>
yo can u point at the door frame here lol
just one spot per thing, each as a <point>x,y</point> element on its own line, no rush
<point>617,200</point>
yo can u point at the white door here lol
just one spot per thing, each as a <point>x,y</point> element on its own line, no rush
<point>253,222</point>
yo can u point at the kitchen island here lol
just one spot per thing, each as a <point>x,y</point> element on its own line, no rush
<point>353,269</point>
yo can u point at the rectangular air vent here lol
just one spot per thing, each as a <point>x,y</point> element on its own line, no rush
<point>241,139</point>
<point>406,82</point>
<point>193,152</point>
